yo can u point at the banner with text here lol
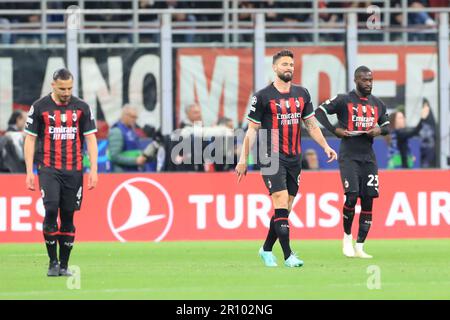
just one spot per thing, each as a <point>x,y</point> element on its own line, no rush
<point>221,80</point>
<point>108,79</point>
<point>213,206</point>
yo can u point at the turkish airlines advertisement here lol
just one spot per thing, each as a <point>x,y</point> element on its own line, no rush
<point>213,206</point>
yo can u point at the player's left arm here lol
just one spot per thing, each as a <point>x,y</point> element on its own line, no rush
<point>91,143</point>
<point>383,124</point>
<point>315,133</point>
<point>89,129</point>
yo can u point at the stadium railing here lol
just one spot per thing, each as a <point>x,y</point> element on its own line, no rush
<point>123,23</point>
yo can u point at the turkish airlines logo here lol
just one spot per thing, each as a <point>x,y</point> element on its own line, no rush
<point>140,209</point>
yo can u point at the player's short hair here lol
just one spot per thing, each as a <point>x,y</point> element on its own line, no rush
<point>361,69</point>
<point>62,74</point>
<point>282,53</point>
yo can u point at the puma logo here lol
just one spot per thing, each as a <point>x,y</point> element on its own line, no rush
<point>52,117</point>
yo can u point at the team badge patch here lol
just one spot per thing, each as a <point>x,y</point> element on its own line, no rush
<point>254,100</point>
<point>74,116</point>
<point>31,111</point>
<point>63,117</point>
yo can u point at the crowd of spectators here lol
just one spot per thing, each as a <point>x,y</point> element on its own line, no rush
<point>419,21</point>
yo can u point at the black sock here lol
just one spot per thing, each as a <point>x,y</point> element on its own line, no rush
<point>348,215</point>
<point>66,241</point>
<point>365,221</point>
<point>282,229</point>
<point>51,242</point>
<point>271,236</point>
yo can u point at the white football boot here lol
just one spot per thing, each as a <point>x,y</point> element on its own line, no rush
<point>347,246</point>
<point>359,252</point>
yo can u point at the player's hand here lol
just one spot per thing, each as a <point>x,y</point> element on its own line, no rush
<point>241,170</point>
<point>425,112</point>
<point>341,133</point>
<point>92,180</point>
<point>29,181</point>
<point>374,132</point>
<point>331,154</point>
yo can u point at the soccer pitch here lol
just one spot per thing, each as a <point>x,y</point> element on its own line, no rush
<point>406,269</point>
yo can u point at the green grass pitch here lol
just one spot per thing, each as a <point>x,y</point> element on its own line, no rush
<point>407,269</point>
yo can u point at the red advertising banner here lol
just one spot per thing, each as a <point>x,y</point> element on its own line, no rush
<point>212,206</point>
<point>221,80</point>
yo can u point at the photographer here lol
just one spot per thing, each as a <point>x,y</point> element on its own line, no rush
<point>124,149</point>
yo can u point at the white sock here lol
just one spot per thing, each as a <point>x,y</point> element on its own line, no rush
<point>347,236</point>
<point>359,246</point>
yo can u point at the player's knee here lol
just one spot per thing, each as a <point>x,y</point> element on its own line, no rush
<point>366,204</point>
<point>350,200</point>
<point>51,208</point>
<point>281,199</point>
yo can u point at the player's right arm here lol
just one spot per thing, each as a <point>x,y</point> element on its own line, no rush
<point>331,106</point>
<point>249,141</point>
<point>254,123</point>
<point>32,127</point>
<point>28,150</point>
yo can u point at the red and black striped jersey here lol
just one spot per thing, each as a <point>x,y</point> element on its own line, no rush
<point>60,129</point>
<point>280,113</point>
<point>357,115</point>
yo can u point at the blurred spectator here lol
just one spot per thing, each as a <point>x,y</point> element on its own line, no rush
<point>185,159</point>
<point>193,115</point>
<point>331,20</point>
<point>416,19</point>
<point>12,143</point>
<point>212,18</point>
<point>246,17</point>
<point>310,160</point>
<point>363,18</point>
<point>398,151</point>
<point>33,21</point>
<point>421,19</point>
<point>148,5</point>
<point>181,17</point>
<point>428,139</point>
<point>5,34</point>
<point>271,17</point>
<point>295,19</point>
<point>105,19</point>
<point>287,20</point>
<point>124,150</point>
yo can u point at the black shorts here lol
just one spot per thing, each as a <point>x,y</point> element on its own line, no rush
<point>287,177</point>
<point>360,177</point>
<point>62,187</point>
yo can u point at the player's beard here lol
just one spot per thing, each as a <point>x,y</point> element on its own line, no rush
<point>365,91</point>
<point>64,99</point>
<point>285,76</point>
